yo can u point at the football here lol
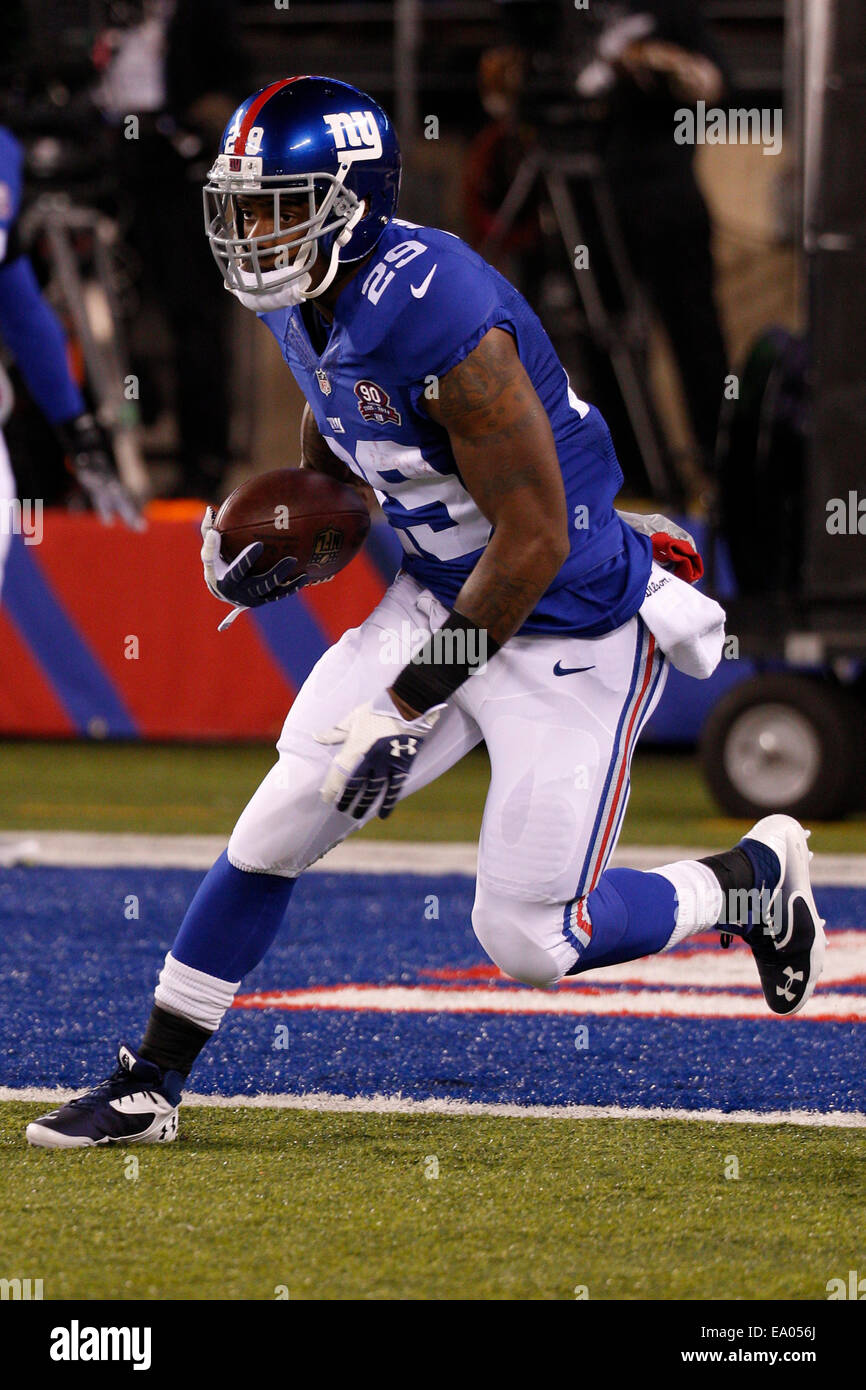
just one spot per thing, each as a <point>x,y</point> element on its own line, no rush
<point>292,511</point>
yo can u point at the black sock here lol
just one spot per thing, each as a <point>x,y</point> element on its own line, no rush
<point>735,872</point>
<point>172,1042</point>
<point>733,869</point>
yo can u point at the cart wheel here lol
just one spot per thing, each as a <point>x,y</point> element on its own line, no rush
<point>784,743</point>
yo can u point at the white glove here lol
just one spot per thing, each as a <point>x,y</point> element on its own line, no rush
<point>379,749</point>
<point>232,582</point>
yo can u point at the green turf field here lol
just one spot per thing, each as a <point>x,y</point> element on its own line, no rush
<point>337,1206</point>
<point>187,790</point>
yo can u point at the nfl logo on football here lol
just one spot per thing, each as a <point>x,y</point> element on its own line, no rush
<point>326,546</point>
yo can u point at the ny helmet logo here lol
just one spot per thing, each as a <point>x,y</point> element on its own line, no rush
<point>356,134</point>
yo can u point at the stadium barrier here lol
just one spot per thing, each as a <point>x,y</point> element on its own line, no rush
<point>109,633</point>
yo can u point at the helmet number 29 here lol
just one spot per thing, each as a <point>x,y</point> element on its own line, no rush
<point>382,273</point>
<point>253,142</point>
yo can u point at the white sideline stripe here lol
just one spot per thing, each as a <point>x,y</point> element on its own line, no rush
<point>635,1003</point>
<point>684,968</point>
<point>398,1105</point>
<point>101,850</point>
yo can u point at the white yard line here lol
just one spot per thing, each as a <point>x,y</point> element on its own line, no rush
<point>635,1003</point>
<point>97,850</point>
<point>399,1105</point>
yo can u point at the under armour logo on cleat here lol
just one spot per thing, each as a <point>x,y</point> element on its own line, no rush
<point>792,975</point>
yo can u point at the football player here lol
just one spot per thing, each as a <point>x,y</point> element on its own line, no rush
<point>546,624</point>
<point>31,331</point>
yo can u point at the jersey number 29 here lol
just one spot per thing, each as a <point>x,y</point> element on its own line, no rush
<point>382,273</point>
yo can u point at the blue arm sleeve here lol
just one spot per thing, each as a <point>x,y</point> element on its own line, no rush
<point>11,162</point>
<point>32,332</point>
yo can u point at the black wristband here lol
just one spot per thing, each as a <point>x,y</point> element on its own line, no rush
<point>448,658</point>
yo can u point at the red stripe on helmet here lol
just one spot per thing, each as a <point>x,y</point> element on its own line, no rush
<point>250,118</point>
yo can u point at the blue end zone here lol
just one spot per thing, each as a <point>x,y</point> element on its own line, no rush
<point>78,976</point>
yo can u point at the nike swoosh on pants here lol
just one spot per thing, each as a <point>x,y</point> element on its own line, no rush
<point>560,670</point>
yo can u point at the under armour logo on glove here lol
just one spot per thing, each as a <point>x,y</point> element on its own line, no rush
<point>379,747</point>
<point>411,747</point>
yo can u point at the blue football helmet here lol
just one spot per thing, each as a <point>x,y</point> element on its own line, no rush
<point>301,138</point>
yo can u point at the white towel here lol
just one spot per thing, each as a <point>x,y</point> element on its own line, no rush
<point>688,626</point>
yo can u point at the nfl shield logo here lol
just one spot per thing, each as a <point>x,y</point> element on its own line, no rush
<point>326,546</point>
<point>324,383</point>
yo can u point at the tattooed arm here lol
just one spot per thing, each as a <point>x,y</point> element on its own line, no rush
<point>503,444</point>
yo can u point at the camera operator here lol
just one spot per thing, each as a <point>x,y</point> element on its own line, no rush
<point>634,64</point>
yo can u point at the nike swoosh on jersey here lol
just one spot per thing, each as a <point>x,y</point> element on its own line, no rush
<point>560,670</point>
<point>419,291</point>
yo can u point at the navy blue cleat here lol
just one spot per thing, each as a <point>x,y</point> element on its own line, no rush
<point>136,1105</point>
<point>787,940</point>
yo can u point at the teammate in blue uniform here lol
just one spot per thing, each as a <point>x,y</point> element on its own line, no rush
<point>32,332</point>
<point>542,621</point>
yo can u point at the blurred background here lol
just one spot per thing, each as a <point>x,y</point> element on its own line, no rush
<point>706,292</point>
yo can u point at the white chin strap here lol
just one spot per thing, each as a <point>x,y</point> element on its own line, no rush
<point>282,296</point>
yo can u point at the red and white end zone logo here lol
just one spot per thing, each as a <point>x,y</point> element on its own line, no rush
<point>693,981</point>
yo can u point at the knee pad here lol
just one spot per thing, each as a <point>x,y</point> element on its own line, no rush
<point>522,938</point>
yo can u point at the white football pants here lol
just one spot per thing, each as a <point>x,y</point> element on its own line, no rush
<point>560,717</point>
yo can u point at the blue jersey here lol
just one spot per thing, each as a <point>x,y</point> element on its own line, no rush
<point>423,304</point>
<point>29,327</point>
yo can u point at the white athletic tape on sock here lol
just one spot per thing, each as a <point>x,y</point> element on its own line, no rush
<point>201,998</point>
<point>699,898</point>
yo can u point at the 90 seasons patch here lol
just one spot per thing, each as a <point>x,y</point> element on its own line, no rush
<point>375,405</point>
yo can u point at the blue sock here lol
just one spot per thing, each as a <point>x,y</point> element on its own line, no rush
<point>232,920</point>
<point>632,914</point>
